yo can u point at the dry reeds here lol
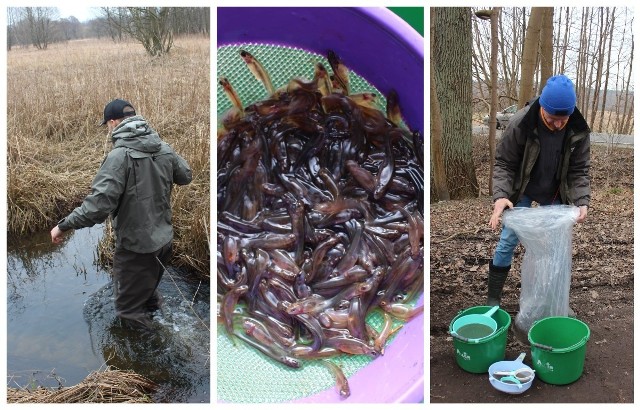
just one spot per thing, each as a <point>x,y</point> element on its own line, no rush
<point>107,386</point>
<point>55,100</point>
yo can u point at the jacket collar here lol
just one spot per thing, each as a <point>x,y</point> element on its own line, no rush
<point>577,123</point>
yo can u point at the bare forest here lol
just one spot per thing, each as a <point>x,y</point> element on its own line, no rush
<point>154,27</point>
<point>593,46</point>
<point>483,61</point>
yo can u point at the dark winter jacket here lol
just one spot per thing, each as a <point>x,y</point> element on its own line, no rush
<point>518,150</point>
<point>134,186</point>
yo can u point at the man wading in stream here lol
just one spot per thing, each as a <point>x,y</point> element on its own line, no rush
<point>133,185</point>
<point>543,156</point>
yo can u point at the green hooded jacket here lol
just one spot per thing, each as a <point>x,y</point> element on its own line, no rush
<point>133,185</point>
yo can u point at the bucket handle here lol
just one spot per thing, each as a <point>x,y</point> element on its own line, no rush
<point>464,339</point>
<point>564,349</point>
<point>541,346</point>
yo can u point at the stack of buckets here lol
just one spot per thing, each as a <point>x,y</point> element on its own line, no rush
<point>558,346</point>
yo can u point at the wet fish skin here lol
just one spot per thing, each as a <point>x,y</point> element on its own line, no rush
<point>340,71</point>
<point>342,384</point>
<point>231,94</point>
<point>258,71</point>
<point>229,302</point>
<point>379,342</point>
<point>322,79</point>
<point>403,311</point>
<point>351,345</point>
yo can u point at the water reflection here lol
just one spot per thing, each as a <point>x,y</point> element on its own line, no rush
<point>61,321</point>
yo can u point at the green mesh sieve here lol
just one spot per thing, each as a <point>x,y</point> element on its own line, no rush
<point>243,374</point>
<point>283,64</point>
<point>246,376</point>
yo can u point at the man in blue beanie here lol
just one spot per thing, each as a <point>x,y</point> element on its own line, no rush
<point>543,156</point>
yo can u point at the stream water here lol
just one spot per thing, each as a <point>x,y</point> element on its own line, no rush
<point>61,322</point>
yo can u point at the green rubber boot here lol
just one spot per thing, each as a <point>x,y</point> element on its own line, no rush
<point>497,278</point>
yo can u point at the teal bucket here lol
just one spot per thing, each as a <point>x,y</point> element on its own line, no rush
<point>476,355</point>
<point>558,349</point>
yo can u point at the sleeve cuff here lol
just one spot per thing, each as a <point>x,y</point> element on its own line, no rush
<point>63,225</point>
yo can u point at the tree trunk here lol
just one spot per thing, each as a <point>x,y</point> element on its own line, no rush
<point>546,48</point>
<point>441,192</point>
<point>451,57</point>
<point>494,94</point>
<point>529,56</point>
<point>606,78</point>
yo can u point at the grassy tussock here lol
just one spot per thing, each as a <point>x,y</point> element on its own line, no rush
<point>107,386</point>
<point>55,100</point>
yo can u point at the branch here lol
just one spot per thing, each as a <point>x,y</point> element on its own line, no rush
<point>468,231</point>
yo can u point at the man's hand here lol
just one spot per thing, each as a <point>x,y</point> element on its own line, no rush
<point>498,207</point>
<point>583,214</point>
<point>57,235</point>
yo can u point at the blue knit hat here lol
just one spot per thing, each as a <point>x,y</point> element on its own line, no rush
<point>558,96</point>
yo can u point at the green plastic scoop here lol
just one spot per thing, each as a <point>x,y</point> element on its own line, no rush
<point>472,328</point>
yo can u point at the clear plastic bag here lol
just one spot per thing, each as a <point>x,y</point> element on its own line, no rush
<point>545,232</point>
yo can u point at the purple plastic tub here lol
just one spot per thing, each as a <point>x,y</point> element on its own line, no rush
<point>396,377</point>
<point>374,42</point>
<point>382,48</point>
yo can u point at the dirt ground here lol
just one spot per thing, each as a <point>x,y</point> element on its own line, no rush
<point>601,293</point>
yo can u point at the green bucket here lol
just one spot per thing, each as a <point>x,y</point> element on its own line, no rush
<point>558,348</point>
<point>475,356</point>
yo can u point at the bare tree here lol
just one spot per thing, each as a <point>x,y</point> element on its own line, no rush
<point>451,56</point>
<point>12,22</point>
<point>439,176</point>
<point>148,25</point>
<point>190,20</point>
<point>69,28</point>
<point>530,56</point>
<point>593,46</point>
<point>546,47</point>
<point>495,14</point>
<point>606,79</point>
<point>39,21</point>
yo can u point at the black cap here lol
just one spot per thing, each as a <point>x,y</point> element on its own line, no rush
<point>116,110</point>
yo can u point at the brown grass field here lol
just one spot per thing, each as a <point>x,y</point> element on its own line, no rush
<point>55,100</point>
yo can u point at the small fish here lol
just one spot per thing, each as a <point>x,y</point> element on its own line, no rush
<point>230,253</point>
<point>228,305</point>
<point>269,241</point>
<point>258,331</point>
<point>366,99</point>
<point>393,108</point>
<point>380,341</point>
<point>393,111</point>
<point>401,310</point>
<point>395,115</point>
<point>416,231</point>
<point>307,352</point>
<point>356,319</point>
<point>335,318</point>
<point>342,385</point>
<point>322,80</point>
<point>231,93</point>
<point>258,71</point>
<point>351,345</point>
<point>385,172</point>
<point>340,71</point>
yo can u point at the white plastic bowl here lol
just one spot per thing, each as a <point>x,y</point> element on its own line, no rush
<point>509,366</point>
